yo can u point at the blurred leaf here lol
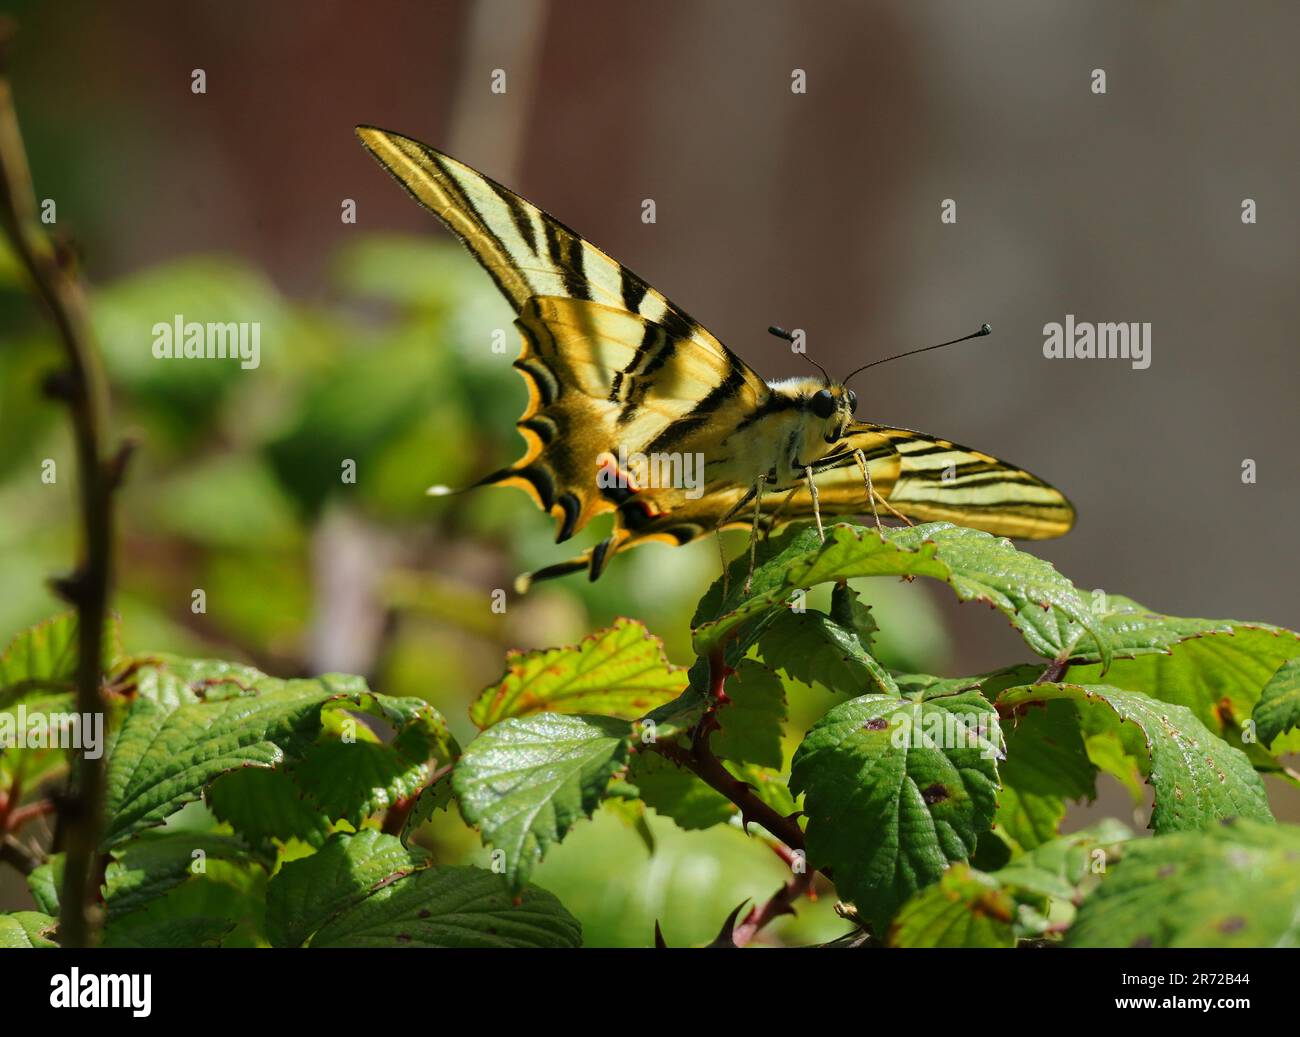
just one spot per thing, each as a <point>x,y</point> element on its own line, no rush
<point>1278,708</point>
<point>147,867</point>
<point>1231,885</point>
<point>26,929</point>
<point>752,721</point>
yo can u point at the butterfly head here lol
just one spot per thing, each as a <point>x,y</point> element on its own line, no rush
<point>833,405</point>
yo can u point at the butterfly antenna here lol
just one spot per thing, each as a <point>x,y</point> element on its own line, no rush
<point>789,337</point>
<point>984,330</point>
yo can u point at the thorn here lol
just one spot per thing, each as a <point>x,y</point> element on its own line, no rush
<point>60,385</point>
<point>660,943</point>
<point>116,467</point>
<point>68,588</point>
<point>725,937</point>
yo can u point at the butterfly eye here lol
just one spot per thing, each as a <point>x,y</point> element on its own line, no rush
<point>823,404</point>
<point>853,402</point>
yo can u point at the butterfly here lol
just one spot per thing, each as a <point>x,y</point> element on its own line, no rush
<point>619,377</point>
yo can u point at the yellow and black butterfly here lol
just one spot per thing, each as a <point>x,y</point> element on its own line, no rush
<point>615,370</point>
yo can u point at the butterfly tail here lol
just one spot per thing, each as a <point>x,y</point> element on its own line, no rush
<point>593,560</point>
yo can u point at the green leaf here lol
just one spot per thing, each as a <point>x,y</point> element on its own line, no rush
<point>620,672</point>
<point>895,791</point>
<point>526,780</point>
<point>1216,668</point>
<point>46,882</point>
<point>356,771</point>
<point>812,648</point>
<point>149,866</point>
<point>263,805</point>
<point>753,719</point>
<point>26,929</point>
<point>163,758</point>
<point>848,612</point>
<point>969,908</point>
<point>44,657</point>
<point>447,906</point>
<point>306,893</point>
<point>677,793</point>
<point>1231,885</point>
<point>1047,765</point>
<point>1278,708</point>
<point>1197,777</point>
<point>1041,603</point>
<point>172,681</point>
<point>437,796</point>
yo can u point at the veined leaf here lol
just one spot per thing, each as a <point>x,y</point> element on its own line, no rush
<point>1278,708</point>
<point>620,672</point>
<point>812,648</point>
<point>1040,602</point>
<point>526,780</point>
<point>1216,668</point>
<point>147,867</point>
<point>46,882</point>
<point>263,805</point>
<point>1197,777</point>
<point>445,906</point>
<point>162,759</point>
<point>1230,885</point>
<point>895,791</point>
<point>306,893</point>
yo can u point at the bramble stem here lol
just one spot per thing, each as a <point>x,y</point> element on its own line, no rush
<point>82,387</point>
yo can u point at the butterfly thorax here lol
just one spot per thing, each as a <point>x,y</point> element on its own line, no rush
<point>797,427</point>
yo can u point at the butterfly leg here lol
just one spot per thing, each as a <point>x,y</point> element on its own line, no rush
<point>722,553</point>
<point>816,503</point>
<point>753,533</point>
<point>873,496</point>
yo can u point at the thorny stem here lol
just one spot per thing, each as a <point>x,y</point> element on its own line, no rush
<point>82,387</point>
<point>701,761</point>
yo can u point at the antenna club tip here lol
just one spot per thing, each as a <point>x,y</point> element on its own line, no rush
<point>986,329</point>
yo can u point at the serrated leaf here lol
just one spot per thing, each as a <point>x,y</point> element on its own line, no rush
<point>752,721</point>
<point>675,792</point>
<point>812,648</point>
<point>673,720</point>
<point>1231,885</point>
<point>1040,602</point>
<point>525,781</point>
<point>1197,777</point>
<point>1216,668</point>
<point>1278,708</point>
<point>355,771</point>
<point>306,893</point>
<point>1047,765</point>
<point>262,805</point>
<point>435,797</point>
<point>889,804</point>
<point>26,929</point>
<point>446,906</point>
<point>224,904</point>
<point>848,612</point>
<point>619,672</point>
<point>163,758</point>
<point>149,866</point>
